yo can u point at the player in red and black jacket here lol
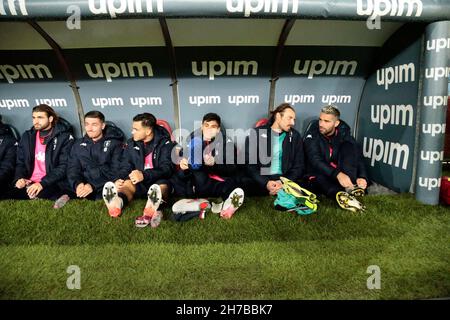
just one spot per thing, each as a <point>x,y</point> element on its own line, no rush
<point>272,151</point>
<point>211,161</point>
<point>146,161</point>
<point>334,159</point>
<point>95,158</point>
<point>8,151</point>
<point>42,157</point>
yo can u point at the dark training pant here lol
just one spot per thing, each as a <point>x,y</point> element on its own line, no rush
<point>49,193</point>
<point>207,187</point>
<point>252,188</point>
<point>347,163</point>
<point>5,190</point>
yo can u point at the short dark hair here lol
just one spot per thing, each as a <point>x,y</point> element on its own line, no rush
<point>147,119</point>
<point>48,110</point>
<point>211,117</point>
<point>281,109</point>
<point>95,114</point>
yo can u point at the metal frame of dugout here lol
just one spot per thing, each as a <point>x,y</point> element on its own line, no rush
<point>386,63</point>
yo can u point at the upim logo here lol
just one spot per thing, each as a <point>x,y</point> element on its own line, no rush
<point>379,150</point>
<point>379,8</point>
<point>52,102</point>
<point>432,156</point>
<point>435,101</point>
<point>396,74</point>
<point>294,99</point>
<point>385,114</point>
<point>438,44</point>
<point>318,67</point>
<point>246,7</point>
<point>12,7</point>
<point>237,100</point>
<point>124,6</point>
<point>331,99</point>
<point>437,73</point>
<point>26,71</point>
<point>433,128</point>
<point>146,101</point>
<point>14,103</point>
<point>111,70</point>
<point>429,183</point>
<point>230,68</point>
<point>107,102</point>
<point>201,100</point>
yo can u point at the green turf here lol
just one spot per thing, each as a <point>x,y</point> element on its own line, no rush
<point>259,254</point>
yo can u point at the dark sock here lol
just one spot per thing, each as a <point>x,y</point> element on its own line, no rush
<point>124,199</point>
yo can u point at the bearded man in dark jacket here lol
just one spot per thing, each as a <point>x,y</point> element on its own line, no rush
<point>272,151</point>
<point>42,157</point>
<point>334,159</point>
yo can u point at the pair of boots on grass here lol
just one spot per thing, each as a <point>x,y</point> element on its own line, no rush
<point>152,215</point>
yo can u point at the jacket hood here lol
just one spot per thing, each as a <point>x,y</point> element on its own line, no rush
<point>113,132</point>
<point>62,126</point>
<point>5,130</point>
<point>159,135</point>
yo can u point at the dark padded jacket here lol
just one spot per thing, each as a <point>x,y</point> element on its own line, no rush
<point>224,151</point>
<point>293,158</point>
<point>133,158</point>
<point>96,162</point>
<point>58,145</point>
<point>8,152</point>
<point>322,151</point>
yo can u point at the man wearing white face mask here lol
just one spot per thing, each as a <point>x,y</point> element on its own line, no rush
<point>211,163</point>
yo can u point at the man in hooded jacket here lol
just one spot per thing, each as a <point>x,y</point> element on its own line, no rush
<point>334,159</point>
<point>95,158</point>
<point>8,152</point>
<point>42,157</point>
<point>210,166</point>
<point>145,166</point>
<point>272,151</point>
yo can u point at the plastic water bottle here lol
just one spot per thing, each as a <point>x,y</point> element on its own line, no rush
<point>195,159</point>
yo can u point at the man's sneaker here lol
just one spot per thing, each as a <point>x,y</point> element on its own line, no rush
<point>348,202</point>
<point>233,202</point>
<point>112,200</point>
<point>61,202</point>
<point>216,205</point>
<point>187,209</point>
<point>142,221</point>
<point>203,207</point>
<point>357,192</point>
<point>154,197</point>
<point>156,219</point>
